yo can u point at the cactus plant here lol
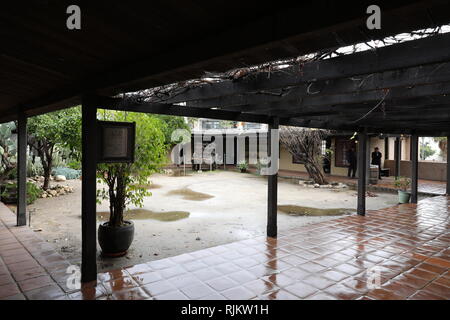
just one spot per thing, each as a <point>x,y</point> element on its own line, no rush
<point>8,150</point>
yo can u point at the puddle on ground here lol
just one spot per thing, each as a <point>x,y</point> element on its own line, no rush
<point>177,173</point>
<point>149,186</point>
<point>189,194</point>
<point>143,214</point>
<point>313,212</point>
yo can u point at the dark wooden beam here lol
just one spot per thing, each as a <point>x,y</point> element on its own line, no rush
<point>419,116</point>
<point>448,166</point>
<point>272,183</point>
<point>430,50</point>
<point>326,122</point>
<point>21,169</point>
<point>88,192</point>
<point>255,34</point>
<point>160,108</point>
<point>414,167</point>
<point>429,129</point>
<point>362,168</point>
<point>416,104</point>
<point>409,77</point>
<point>294,108</point>
<point>386,148</point>
<point>397,155</point>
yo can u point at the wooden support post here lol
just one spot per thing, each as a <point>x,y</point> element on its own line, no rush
<point>362,168</point>
<point>414,167</point>
<point>386,148</point>
<point>448,165</point>
<point>88,193</point>
<point>272,197</point>
<point>22,170</point>
<point>397,155</point>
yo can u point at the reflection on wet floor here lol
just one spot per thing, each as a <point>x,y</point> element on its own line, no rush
<point>329,260</point>
<point>293,210</point>
<point>189,194</point>
<point>144,214</point>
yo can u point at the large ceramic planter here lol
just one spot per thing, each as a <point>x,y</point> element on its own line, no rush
<point>115,241</point>
<point>403,196</point>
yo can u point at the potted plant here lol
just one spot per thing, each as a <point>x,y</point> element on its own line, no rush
<point>402,183</point>
<point>261,164</point>
<point>125,182</point>
<point>242,166</point>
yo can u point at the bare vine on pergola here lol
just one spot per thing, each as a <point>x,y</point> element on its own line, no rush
<point>306,145</point>
<point>287,65</point>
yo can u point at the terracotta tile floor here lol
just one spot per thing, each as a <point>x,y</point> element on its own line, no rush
<point>408,245</point>
<point>29,267</point>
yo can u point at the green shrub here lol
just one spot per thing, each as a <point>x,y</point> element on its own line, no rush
<point>402,183</point>
<point>76,165</point>
<point>33,192</point>
<point>262,163</point>
<point>12,175</point>
<point>242,165</point>
<point>9,193</point>
<point>67,172</point>
<point>34,168</point>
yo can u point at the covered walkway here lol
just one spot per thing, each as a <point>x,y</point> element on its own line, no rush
<point>266,69</point>
<point>407,245</point>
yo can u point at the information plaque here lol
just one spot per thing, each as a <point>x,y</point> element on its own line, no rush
<point>116,141</point>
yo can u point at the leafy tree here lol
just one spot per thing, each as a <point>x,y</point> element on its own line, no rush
<point>443,145</point>
<point>47,132</point>
<point>170,124</point>
<point>124,180</point>
<point>426,150</point>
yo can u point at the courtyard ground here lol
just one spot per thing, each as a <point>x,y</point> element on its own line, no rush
<point>400,252</point>
<point>193,212</point>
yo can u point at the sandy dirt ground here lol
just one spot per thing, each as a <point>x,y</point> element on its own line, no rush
<point>189,213</point>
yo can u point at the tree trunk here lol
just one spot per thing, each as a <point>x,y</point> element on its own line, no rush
<point>306,145</point>
<point>117,200</point>
<point>47,165</point>
<point>46,178</point>
<point>45,153</point>
<point>315,173</point>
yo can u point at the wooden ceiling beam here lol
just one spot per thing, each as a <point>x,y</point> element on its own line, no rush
<point>175,110</point>
<point>430,50</point>
<point>409,77</point>
<point>293,107</point>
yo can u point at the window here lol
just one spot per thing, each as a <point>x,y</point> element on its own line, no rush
<point>250,125</point>
<point>297,159</point>
<point>323,148</point>
<point>210,125</point>
<point>342,146</point>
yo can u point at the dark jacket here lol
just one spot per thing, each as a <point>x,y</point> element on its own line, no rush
<point>351,157</point>
<point>376,158</point>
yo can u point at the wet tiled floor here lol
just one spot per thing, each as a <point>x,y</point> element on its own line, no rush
<point>29,267</point>
<point>406,247</point>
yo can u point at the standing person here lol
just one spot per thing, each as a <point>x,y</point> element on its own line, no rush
<point>351,158</point>
<point>376,160</point>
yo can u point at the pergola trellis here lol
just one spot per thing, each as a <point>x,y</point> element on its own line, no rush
<point>397,89</point>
